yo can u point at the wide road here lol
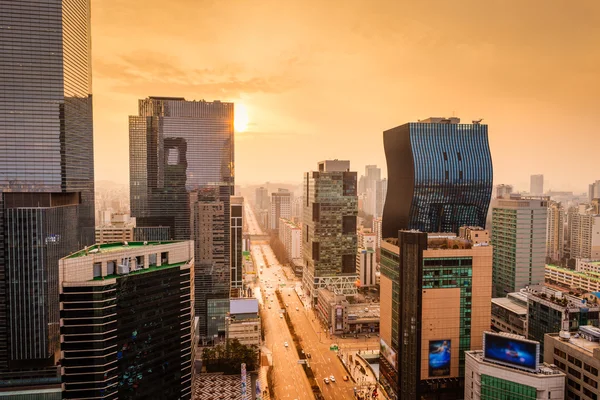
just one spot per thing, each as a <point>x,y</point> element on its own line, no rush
<point>290,379</point>
<point>252,226</point>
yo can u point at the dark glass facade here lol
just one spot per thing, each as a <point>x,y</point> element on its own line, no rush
<point>46,174</point>
<point>182,177</point>
<point>439,177</point>
<point>129,337</point>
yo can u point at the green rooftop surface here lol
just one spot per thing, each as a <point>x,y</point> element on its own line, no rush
<point>117,246</point>
<point>141,271</point>
<point>588,275</point>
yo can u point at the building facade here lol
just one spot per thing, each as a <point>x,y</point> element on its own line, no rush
<point>366,260</point>
<point>536,187</point>
<point>502,190</point>
<point>329,228</point>
<point>519,239</point>
<point>181,166</point>
<point>342,317</point>
<point>237,246</point>
<point>435,293</point>
<point>572,280</point>
<point>578,356</point>
<point>290,235</point>
<point>509,314</point>
<point>46,177</point>
<point>584,233</point>
<point>127,321</point>
<point>555,234</point>
<point>281,207</point>
<point>244,322</point>
<point>262,198</point>
<point>439,176</point>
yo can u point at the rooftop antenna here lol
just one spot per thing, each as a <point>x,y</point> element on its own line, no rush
<point>477,121</point>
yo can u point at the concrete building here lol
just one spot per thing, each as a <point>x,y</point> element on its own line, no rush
<point>555,238</point>
<point>290,235</point>
<point>377,232</point>
<point>502,190</point>
<point>572,280</point>
<point>584,232</point>
<point>237,246</point>
<point>127,321</point>
<point>151,233</point>
<point>443,295</point>
<point>536,187</point>
<point>343,317</point>
<point>262,198</point>
<point>281,207</point>
<point>578,356</point>
<point>366,263</point>
<point>329,228</point>
<point>509,314</point>
<point>487,379</point>
<point>594,191</point>
<point>244,322</point>
<point>519,239</point>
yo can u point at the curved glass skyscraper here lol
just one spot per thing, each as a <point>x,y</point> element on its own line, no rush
<point>439,176</point>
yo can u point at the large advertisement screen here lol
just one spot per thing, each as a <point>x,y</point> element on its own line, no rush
<point>511,351</point>
<point>439,357</point>
<point>389,354</point>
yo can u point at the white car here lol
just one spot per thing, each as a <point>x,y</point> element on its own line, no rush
<point>326,381</point>
<point>331,378</point>
<point>285,344</point>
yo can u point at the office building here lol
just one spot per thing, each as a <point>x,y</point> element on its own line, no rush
<point>46,178</point>
<point>381,194</point>
<point>536,187</point>
<point>262,198</point>
<point>594,191</point>
<point>236,246</point>
<point>555,234</point>
<point>182,176</point>
<point>578,356</point>
<point>290,235</point>
<point>509,314</point>
<point>439,176</point>
<point>371,190</point>
<point>342,317</point>
<point>377,222</point>
<point>329,228</point>
<point>151,233</point>
<point>584,232</point>
<point>119,229</point>
<point>435,306</point>
<point>502,190</point>
<point>366,262</point>
<point>281,207</point>
<point>494,373</point>
<point>519,239</point>
<point>127,322</point>
<point>244,322</point>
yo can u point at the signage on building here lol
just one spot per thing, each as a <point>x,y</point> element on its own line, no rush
<point>439,357</point>
<point>512,351</point>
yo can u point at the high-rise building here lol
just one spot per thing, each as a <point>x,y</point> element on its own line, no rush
<point>46,178</point>
<point>127,321</point>
<point>237,243</point>
<point>536,187</point>
<point>262,198</point>
<point>519,239</point>
<point>594,191</point>
<point>182,176</point>
<point>555,235</point>
<point>290,235</point>
<point>502,190</point>
<point>281,207</point>
<point>329,228</point>
<point>494,373</point>
<point>584,232</point>
<point>366,260</point>
<point>435,306</point>
<point>439,176</point>
<point>381,194</point>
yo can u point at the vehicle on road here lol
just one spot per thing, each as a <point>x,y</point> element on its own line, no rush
<point>297,309</point>
<point>332,378</point>
<point>285,344</point>
<point>280,315</point>
<point>326,380</point>
<point>346,378</point>
<point>307,355</point>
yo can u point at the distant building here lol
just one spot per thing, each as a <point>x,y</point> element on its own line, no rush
<point>366,262</point>
<point>584,232</point>
<point>237,245</point>
<point>492,374</point>
<point>439,176</point>
<point>291,236</point>
<point>594,191</point>
<point>262,198</point>
<point>244,322</point>
<point>340,316</point>
<point>509,314</point>
<point>502,190</point>
<point>377,231</point>
<point>151,233</point>
<point>578,356</point>
<point>536,187</point>
<point>519,239</point>
<point>329,228</point>
<point>440,301</point>
<point>555,237</point>
<point>127,321</point>
<point>281,207</point>
<point>570,279</point>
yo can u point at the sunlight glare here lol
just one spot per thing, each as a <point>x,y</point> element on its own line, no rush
<point>240,119</point>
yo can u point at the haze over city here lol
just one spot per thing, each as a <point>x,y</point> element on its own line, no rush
<point>316,80</point>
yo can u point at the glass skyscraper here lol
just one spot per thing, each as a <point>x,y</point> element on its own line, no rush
<point>182,177</point>
<point>46,175</point>
<point>439,176</point>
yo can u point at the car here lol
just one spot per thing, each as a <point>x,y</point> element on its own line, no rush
<point>326,380</point>
<point>289,294</point>
<point>297,309</point>
<point>280,315</point>
<point>331,378</point>
<point>307,355</point>
<point>269,306</point>
<point>346,378</point>
<point>285,344</point>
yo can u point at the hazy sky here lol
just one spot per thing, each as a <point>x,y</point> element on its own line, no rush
<point>323,78</point>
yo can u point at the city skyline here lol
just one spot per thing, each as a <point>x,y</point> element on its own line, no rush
<point>308,75</point>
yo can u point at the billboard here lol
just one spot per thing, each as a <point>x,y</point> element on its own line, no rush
<point>389,354</point>
<point>439,357</point>
<point>511,351</point>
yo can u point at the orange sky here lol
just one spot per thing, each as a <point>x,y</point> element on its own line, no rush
<point>323,78</point>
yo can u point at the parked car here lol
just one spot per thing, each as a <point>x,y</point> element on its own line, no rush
<point>285,344</point>
<point>326,381</point>
<point>331,378</point>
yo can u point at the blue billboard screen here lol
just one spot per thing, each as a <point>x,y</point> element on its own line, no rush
<point>439,357</point>
<point>511,351</point>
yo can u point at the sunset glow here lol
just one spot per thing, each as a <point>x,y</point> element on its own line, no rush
<point>240,121</point>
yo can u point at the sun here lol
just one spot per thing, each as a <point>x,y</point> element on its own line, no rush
<point>240,118</point>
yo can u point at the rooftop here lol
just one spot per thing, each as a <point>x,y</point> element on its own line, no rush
<point>140,271</point>
<point>593,276</point>
<point>243,306</point>
<point>117,246</point>
<point>543,371</point>
<point>510,305</point>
